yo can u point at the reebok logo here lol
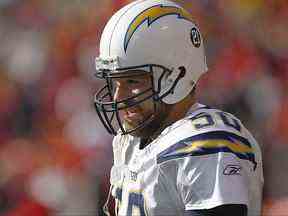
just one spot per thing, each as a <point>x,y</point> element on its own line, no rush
<point>232,170</point>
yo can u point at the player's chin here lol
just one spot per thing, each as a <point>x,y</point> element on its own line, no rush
<point>143,127</point>
<point>131,125</point>
<point>139,132</point>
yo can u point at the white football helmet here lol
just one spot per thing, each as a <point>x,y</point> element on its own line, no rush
<point>155,36</point>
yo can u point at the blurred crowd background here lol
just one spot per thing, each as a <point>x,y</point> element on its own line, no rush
<point>54,155</point>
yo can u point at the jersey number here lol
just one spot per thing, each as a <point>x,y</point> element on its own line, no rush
<point>206,120</point>
<point>135,203</point>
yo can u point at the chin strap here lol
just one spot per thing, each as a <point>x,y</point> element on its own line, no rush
<point>144,142</point>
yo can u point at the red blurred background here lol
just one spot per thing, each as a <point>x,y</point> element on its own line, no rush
<point>54,155</point>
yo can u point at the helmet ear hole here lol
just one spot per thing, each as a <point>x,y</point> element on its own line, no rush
<point>182,71</point>
<point>172,80</point>
<point>180,76</point>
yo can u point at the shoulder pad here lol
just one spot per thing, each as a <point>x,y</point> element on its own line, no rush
<point>209,143</point>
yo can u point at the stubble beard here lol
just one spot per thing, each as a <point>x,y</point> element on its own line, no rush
<point>152,126</point>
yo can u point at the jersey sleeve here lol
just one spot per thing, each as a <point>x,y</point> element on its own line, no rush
<point>209,169</point>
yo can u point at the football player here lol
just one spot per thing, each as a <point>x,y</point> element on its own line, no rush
<point>172,155</point>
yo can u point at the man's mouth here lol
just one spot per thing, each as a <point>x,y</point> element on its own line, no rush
<point>132,116</point>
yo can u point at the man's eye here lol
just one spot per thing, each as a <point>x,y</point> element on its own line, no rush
<point>132,81</point>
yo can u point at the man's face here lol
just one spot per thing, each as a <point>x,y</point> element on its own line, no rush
<point>147,110</point>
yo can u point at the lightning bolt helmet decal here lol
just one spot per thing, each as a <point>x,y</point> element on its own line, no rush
<point>151,15</point>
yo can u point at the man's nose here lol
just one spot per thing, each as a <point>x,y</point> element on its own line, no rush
<point>124,96</point>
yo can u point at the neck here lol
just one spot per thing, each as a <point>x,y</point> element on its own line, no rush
<point>173,112</point>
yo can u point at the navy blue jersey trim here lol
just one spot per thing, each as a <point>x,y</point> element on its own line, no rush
<point>223,210</point>
<point>207,143</point>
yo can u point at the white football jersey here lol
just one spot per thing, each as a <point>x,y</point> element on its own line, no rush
<point>202,161</point>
